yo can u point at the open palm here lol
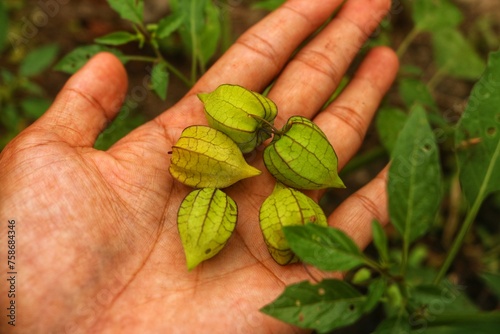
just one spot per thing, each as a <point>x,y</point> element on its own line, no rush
<point>98,247</point>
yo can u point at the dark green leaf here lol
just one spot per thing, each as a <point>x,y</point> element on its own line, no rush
<point>414,178</point>
<point>7,76</point>
<point>210,34</point>
<point>375,292</point>
<point>117,38</point>
<point>455,55</point>
<point>324,247</point>
<point>394,325</point>
<point>328,305</point>
<point>169,24</point>
<point>32,88</point>
<point>75,60</point>
<point>121,126</point>
<point>478,136</point>
<point>131,10</point>
<point>431,15</point>
<point>438,299</point>
<point>380,241</point>
<point>415,91</point>
<point>4,26</point>
<point>458,325</point>
<point>493,281</point>
<point>269,5</point>
<point>35,107</point>
<point>38,60</point>
<point>159,80</point>
<point>389,123</point>
<point>9,116</point>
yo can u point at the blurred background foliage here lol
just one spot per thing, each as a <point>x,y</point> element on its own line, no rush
<point>167,45</point>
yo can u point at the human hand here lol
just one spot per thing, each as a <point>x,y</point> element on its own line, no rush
<point>98,247</point>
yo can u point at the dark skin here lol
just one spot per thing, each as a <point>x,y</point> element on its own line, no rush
<point>98,246</point>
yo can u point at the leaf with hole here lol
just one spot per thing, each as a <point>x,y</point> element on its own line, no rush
<point>206,219</point>
<point>325,306</point>
<point>77,58</point>
<point>205,157</point>
<point>415,182</point>
<point>300,156</point>
<point>286,207</point>
<point>478,136</point>
<point>243,115</point>
<point>324,247</point>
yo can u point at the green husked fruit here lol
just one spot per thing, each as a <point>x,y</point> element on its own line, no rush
<point>302,157</point>
<point>245,116</point>
<point>206,219</point>
<point>286,207</point>
<point>204,157</point>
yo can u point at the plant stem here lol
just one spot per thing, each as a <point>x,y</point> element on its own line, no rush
<point>407,41</point>
<point>169,66</point>
<point>457,243</point>
<point>436,78</point>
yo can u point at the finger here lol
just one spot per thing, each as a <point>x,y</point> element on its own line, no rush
<point>314,73</point>
<point>87,102</point>
<point>355,215</point>
<point>346,120</point>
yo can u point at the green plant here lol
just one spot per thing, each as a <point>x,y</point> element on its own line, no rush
<point>22,99</point>
<point>430,155</point>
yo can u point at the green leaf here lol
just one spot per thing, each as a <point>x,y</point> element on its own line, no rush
<point>159,80</point>
<point>455,55</point>
<point>35,107</point>
<point>131,10</point>
<point>479,161</point>
<point>4,26</point>
<point>120,127</point>
<point>326,248</point>
<point>414,178</point>
<point>493,281</point>
<point>446,297</point>
<point>32,88</point>
<point>169,24</point>
<point>117,38</point>
<point>389,123</point>
<point>201,29</point>
<point>209,36</point>
<point>376,290</point>
<point>75,60</point>
<point>415,91</point>
<point>206,219</point>
<point>463,323</point>
<point>9,116</point>
<point>432,15</point>
<point>394,325</point>
<point>325,306</point>
<point>380,241</point>
<point>38,60</point>
<point>269,5</point>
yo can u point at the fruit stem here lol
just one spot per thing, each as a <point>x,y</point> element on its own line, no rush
<point>270,126</point>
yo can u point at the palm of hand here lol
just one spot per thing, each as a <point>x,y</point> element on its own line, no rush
<point>100,248</point>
